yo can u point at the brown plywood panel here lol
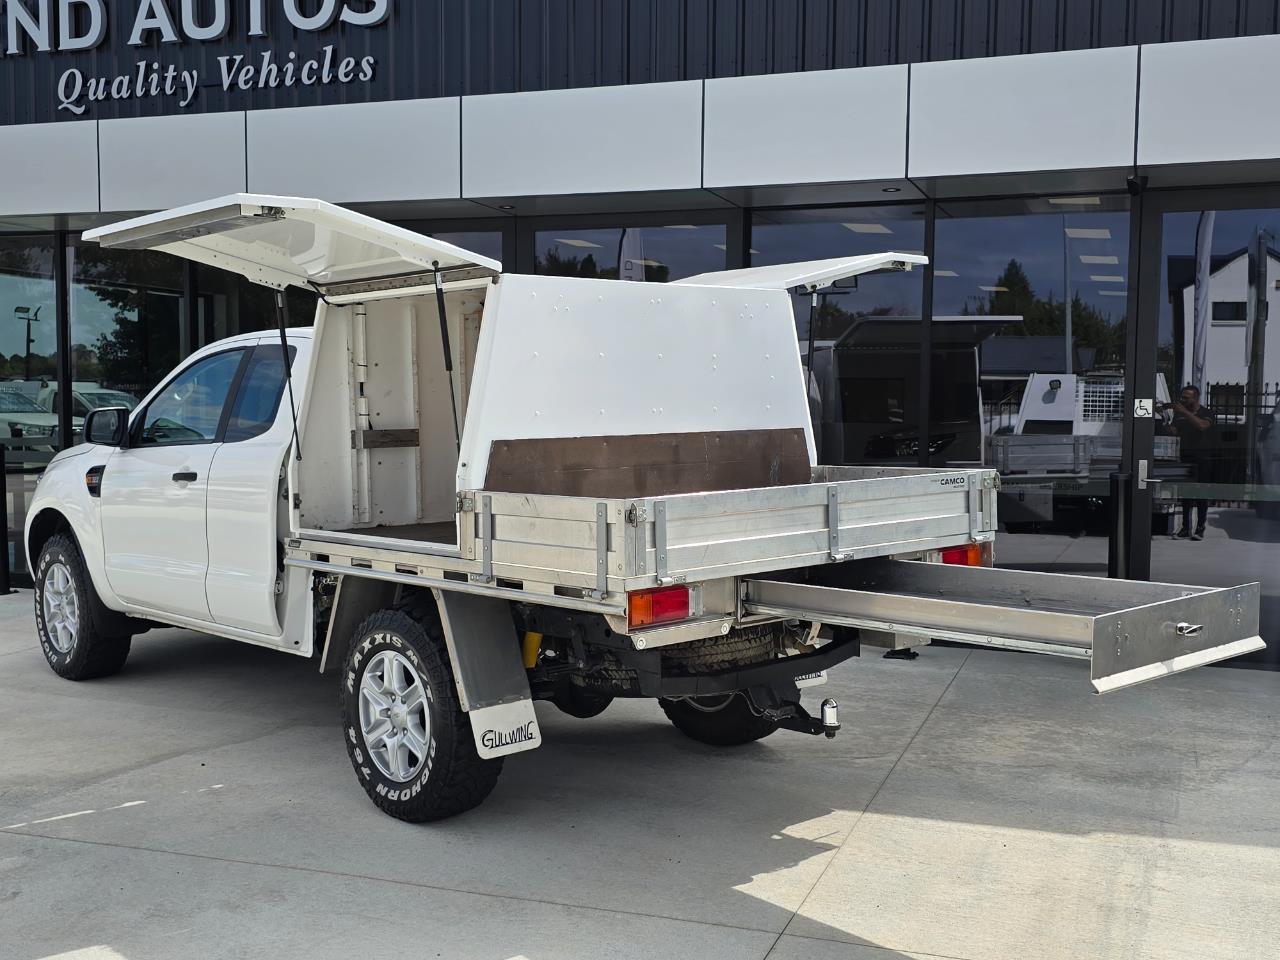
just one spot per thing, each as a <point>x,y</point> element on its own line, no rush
<point>649,465</point>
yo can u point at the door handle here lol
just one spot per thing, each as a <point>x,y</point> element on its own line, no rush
<point>1144,468</point>
<point>184,476</point>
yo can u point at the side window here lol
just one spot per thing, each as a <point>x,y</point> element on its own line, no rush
<point>189,407</point>
<point>258,399</point>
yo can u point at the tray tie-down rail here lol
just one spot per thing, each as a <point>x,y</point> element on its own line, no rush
<point>1129,631</point>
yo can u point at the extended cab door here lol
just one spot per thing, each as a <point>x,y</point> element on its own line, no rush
<point>246,504</point>
<point>154,492</point>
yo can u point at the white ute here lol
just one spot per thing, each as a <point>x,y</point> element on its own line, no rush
<point>465,491</point>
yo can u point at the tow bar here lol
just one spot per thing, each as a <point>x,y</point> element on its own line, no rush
<point>792,716</point>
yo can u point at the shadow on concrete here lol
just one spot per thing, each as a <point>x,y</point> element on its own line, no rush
<point>686,831</point>
<point>737,837</point>
<point>1007,715</point>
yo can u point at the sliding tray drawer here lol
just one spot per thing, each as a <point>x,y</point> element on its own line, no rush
<point>1130,631</point>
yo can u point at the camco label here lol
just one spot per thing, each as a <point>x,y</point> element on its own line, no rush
<point>952,481</point>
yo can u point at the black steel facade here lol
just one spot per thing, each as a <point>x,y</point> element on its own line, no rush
<point>434,48</point>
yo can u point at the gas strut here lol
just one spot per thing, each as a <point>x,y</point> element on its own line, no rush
<point>282,318</point>
<point>448,354</point>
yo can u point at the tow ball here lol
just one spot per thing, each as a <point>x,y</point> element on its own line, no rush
<point>793,716</point>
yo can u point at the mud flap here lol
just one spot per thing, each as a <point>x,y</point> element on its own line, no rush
<point>484,652</point>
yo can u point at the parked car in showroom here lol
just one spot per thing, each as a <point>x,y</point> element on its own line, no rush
<point>24,419</point>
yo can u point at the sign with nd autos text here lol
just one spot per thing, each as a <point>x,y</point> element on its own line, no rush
<point>166,56</point>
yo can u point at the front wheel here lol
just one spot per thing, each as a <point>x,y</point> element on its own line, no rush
<point>723,720</point>
<point>407,736</point>
<point>72,642</point>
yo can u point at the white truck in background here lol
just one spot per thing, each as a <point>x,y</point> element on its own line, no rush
<point>1060,451</point>
<point>466,491</point>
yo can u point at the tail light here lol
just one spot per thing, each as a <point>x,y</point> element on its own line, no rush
<point>969,555</point>
<point>645,608</point>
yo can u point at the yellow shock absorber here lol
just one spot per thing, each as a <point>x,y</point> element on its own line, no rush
<point>532,645</point>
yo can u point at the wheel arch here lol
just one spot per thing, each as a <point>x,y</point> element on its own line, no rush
<point>47,523</point>
<point>354,599</point>
<point>50,522</point>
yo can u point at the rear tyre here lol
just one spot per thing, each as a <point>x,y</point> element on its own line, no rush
<point>580,703</point>
<point>73,643</point>
<point>407,736</point>
<point>722,720</point>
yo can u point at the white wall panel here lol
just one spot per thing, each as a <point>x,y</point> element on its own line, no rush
<point>358,153</point>
<point>814,127</point>
<point>49,168</point>
<point>150,163</point>
<point>1047,111</point>
<point>642,137</point>
<point>1209,100</point>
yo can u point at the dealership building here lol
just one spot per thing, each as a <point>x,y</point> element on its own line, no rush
<point>1096,184</point>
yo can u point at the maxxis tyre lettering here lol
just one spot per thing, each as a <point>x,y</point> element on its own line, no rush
<point>453,778</point>
<point>93,654</point>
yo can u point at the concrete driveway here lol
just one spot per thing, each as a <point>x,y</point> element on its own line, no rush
<point>977,805</point>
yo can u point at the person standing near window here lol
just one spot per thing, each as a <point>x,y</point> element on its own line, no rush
<point>1192,423</point>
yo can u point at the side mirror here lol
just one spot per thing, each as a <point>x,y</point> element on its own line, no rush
<point>108,426</point>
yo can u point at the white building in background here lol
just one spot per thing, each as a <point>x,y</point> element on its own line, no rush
<point>1227,354</point>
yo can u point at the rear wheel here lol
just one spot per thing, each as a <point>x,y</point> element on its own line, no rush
<point>581,703</point>
<point>723,720</point>
<point>65,602</point>
<point>407,736</point>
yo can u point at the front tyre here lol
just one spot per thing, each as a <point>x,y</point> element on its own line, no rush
<point>722,720</point>
<point>72,643</point>
<point>407,736</point>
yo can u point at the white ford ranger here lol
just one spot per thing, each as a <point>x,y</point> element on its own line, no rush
<point>466,491</point>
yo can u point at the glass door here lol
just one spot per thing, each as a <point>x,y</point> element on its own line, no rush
<point>29,369</point>
<point>1214,447</point>
<point>1039,288</point>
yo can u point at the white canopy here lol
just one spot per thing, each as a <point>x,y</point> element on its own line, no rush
<point>809,275</point>
<point>278,241</point>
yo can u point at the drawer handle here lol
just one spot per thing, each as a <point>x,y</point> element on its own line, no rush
<point>1190,629</point>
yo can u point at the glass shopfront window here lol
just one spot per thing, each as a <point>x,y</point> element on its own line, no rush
<point>655,254</point>
<point>862,340</point>
<point>227,304</point>
<point>1218,429</point>
<point>487,243</point>
<point>28,366</point>
<point>1036,292</point>
<point>127,325</point>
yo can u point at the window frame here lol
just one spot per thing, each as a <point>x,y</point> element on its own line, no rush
<point>733,219</point>
<point>135,429</point>
<point>238,386</point>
